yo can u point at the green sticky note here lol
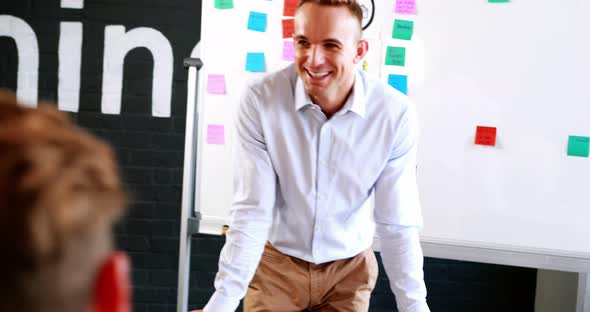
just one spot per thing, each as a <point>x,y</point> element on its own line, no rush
<point>224,4</point>
<point>578,146</point>
<point>395,56</point>
<point>498,1</point>
<point>403,29</point>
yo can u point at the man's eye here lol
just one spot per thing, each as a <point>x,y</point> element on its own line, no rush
<point>302,43</point>
<point>331,45</point>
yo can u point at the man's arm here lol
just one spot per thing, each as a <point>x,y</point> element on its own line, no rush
<point>251,211</point>
<point>403,261</point>
<point>398,219</point>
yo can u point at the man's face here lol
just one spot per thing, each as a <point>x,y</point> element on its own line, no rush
<point>327,47</point>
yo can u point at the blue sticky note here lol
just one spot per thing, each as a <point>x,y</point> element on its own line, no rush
<point>255,62</point>
<point>257,21</point>
<point>399,82</point>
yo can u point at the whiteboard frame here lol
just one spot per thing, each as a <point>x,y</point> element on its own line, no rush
<point>504,255</point>
<point>470,251</point>
<point>189,206</point>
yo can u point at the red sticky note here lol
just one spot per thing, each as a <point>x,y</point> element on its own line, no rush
<point>485,136</point>
<point>289,8</point>
<point>288,28</point>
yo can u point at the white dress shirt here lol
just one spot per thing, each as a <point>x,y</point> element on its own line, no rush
<point>302,180</point>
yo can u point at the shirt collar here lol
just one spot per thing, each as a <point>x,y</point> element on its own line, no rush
<point>302,99</point>
<point>355,102</point>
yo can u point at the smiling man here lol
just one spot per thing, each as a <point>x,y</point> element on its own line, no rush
<point>328,46</point>
<point>314,141</point>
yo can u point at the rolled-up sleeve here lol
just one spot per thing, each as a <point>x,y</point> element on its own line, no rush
<point>398,218</point>
<point>251,211</point>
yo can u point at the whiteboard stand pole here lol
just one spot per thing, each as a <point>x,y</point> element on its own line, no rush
<point>189,221</point>
<point>583,302</point>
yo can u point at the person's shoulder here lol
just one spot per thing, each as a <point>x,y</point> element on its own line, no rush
<point>277,83</point>
<point>384,97</point>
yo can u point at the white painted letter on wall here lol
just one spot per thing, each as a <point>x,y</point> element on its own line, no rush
<point>70,62</point>
<point>28,57</point>
<point>117,44</point>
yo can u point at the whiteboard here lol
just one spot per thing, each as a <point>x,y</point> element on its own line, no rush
<point>520,67</point>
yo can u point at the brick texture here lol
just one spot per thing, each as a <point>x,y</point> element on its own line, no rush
<point>150,151</point>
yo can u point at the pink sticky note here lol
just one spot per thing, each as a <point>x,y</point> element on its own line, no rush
<point>216,84</point>
<point>215,134</point>
<point>288,51</point>
<point>405,6</point>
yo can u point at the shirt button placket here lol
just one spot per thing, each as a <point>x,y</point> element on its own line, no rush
<point>323,169</point>
<point>321,179</point>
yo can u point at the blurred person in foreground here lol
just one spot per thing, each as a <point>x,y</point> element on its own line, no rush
<point>60,194</point>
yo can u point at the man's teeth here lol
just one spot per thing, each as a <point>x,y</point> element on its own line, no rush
<point>318,75</point>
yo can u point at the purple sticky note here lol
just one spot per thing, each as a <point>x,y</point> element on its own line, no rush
<point>405,6</point>
<point>215,134</point>
<point>216,84</point>
<point>288,51</point>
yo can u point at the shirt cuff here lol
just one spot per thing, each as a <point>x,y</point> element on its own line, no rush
<point>220,303</point>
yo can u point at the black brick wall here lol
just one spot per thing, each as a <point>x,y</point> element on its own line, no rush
<point>150,152</point>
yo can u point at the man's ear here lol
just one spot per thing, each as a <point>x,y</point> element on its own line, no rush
<point>112,287</point>
<point>362,47</point>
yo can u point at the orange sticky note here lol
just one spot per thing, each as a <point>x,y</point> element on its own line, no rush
<point>485,136</point>
<point>288,28</point>
<point>289,8</point>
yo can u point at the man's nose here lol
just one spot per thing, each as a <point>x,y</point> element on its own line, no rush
<point>316,56</point>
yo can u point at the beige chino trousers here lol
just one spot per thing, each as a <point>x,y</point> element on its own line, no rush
<point>287,284</point>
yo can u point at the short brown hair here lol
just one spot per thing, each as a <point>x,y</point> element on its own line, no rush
<point>352,5</point>
<point>60,194</point>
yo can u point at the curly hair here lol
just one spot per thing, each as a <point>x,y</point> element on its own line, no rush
<point>60,193</point>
